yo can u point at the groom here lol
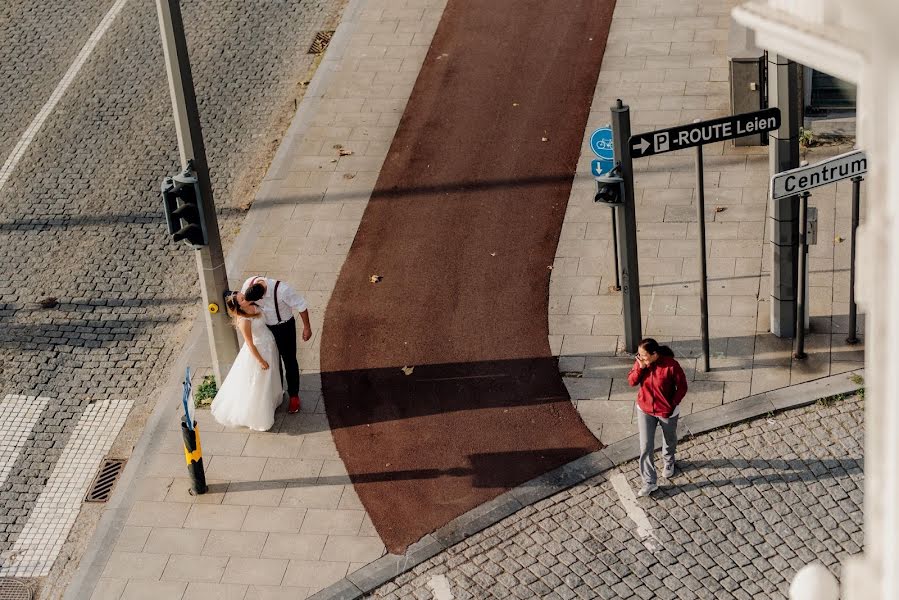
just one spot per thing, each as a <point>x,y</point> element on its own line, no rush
<point>277,301</point>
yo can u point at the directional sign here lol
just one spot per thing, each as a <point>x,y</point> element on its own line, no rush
<point>601,167</point>
<point>601,143</point>
<point>796,181</point>
<point>704,132</point>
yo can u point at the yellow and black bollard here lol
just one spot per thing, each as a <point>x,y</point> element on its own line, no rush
<point>193,454</point>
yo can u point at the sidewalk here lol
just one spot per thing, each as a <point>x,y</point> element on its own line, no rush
<point>667,61</point>
<point>281,519</point>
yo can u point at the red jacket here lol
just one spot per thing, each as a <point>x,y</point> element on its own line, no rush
<point>662,386</point>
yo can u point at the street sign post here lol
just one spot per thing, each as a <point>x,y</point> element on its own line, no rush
<point>795,181</point>
<point>697,134</point>
<point>849,165</point>
<point>703,132</point>
<point>626,227</point>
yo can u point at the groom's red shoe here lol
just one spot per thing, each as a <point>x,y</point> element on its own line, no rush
<point>294,406</point>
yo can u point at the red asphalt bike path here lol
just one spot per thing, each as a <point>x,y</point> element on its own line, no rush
<point>462,227</point>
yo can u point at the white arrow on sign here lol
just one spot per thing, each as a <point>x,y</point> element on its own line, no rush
<point>642,146</point>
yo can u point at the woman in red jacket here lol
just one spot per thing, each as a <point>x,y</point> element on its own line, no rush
<point>662,387</point>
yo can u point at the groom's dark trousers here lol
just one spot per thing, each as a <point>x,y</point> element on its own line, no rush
<point>286,338</point>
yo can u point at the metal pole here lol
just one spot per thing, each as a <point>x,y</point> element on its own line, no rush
<point>210,259</point>
<point>853,310</point>
<point>703,283</point>
<point>615,247</point>
<point>627,230</point>
<point>801,300</point>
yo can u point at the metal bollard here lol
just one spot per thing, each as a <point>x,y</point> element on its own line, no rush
<point>193,455</point>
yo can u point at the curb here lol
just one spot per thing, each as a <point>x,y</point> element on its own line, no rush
<point>375,574</point>
<point>93,560</point>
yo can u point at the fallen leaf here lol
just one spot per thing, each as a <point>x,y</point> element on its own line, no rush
<point>720,208</point>
<point>345,152</point>
<point>375,278</point>
<point>838,239</point>
<point>408,370</point>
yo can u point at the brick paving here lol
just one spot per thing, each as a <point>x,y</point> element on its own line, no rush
<point>751,504</point>
<point>668,61</point>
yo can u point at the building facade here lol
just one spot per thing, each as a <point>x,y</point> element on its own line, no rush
<point>858,42</point>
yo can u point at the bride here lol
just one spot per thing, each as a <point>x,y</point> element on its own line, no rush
<point>252,390</point>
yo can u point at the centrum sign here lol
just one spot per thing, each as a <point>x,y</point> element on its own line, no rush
<point>796,181</point>
<point>704,132</point>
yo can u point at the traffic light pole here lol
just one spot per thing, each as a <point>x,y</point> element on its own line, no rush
<point>627,230</point>
<point>210,258</point>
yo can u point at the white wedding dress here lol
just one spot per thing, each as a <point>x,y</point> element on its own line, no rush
<point>249,396</point>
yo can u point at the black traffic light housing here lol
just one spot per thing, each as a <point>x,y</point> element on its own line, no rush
<point>610,188</point>
<point>183,206</point>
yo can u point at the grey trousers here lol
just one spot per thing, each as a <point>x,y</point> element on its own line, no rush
<point>647,425</point>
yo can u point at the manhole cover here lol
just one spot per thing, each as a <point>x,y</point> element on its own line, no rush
<point>104,482</point>
<point>13,589</point>
<point>322,38</point>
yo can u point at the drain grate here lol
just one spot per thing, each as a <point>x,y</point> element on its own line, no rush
<point>13,589</point>
<point>322,38</point>
<point>104,482</point>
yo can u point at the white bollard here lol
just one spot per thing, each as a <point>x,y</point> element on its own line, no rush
<point>814,582</point>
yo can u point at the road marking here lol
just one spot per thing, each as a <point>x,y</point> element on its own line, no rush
<point>635,512</point>
<point>19,151</point>
<point>18,414</point>
<point>439,584</point>
<point>57,507</point>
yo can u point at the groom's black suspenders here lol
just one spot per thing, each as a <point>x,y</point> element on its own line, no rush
<point>277,310</point>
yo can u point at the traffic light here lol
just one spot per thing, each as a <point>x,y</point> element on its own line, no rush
<point>610,188</point>
<point>183,206</point>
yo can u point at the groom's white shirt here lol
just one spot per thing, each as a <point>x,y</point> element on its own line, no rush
<point>289,300</point>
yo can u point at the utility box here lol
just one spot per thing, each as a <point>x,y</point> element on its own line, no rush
<point>811,230</point>
<point>747,78</point>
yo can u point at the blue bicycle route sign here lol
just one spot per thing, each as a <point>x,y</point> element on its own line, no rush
<point>601,144</point>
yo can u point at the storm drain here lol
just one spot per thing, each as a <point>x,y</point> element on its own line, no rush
<point>104,482</point>
<point>322,38</point>
<point>13,589</point>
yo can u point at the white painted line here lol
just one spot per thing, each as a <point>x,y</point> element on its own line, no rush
<point>440,586</point>
<point>18,414</point>
<point>19,150</point>
<point>57,507</point>
<point>634,511</point>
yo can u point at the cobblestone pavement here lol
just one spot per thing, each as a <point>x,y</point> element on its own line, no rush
<point>80,219</point>
<point>753,504</point>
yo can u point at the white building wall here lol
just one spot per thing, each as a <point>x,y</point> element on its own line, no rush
<point>859,42</point>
